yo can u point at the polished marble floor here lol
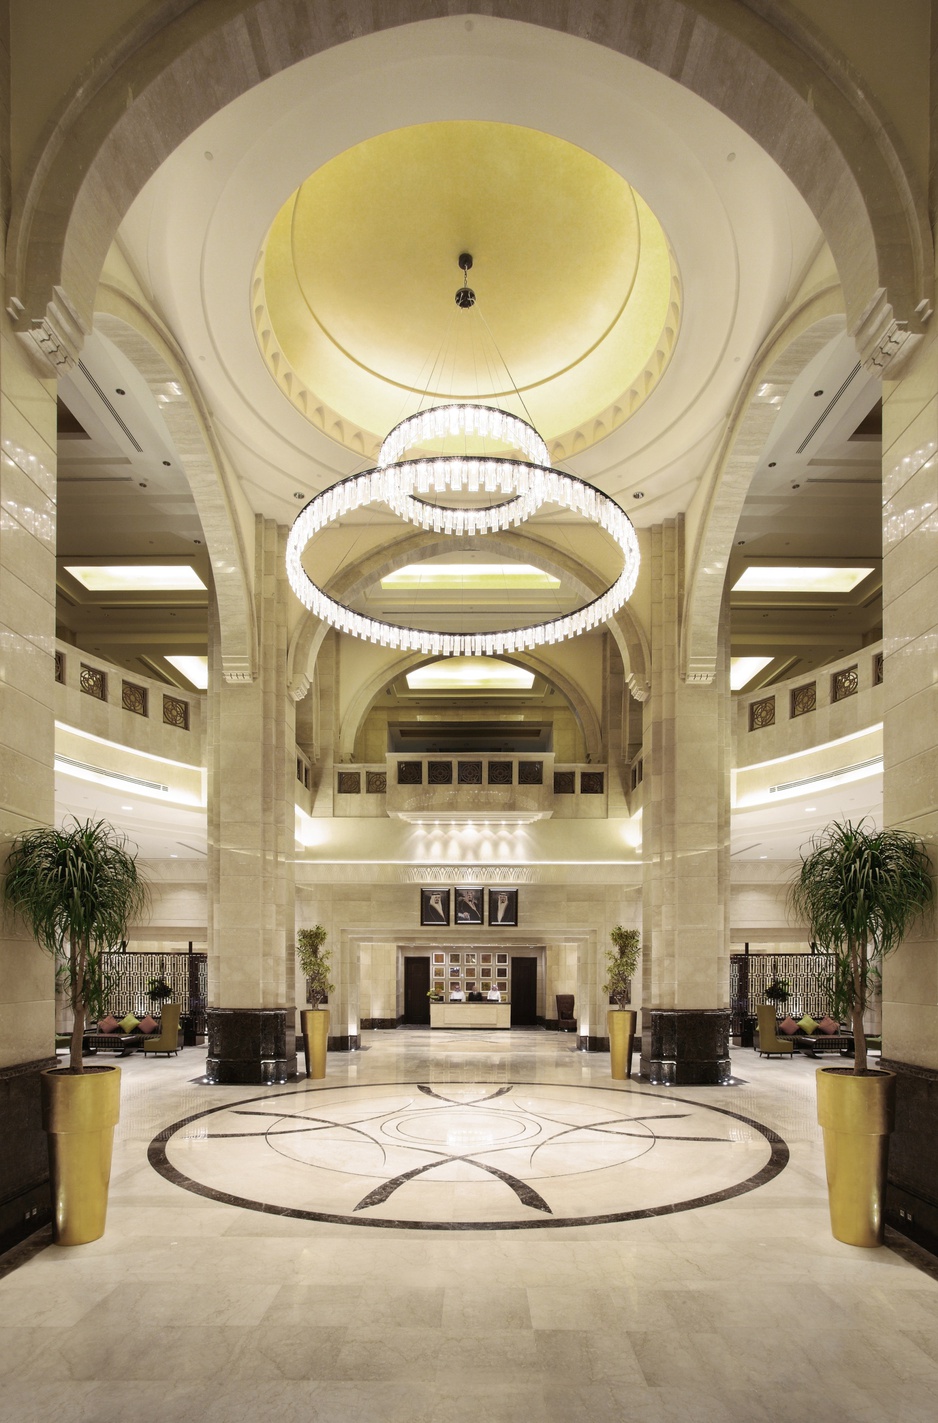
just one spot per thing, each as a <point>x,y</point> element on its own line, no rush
<point>461,1228</point>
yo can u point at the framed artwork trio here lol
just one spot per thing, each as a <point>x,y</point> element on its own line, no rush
<point>465,905</point>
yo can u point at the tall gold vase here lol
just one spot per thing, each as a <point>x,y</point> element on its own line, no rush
<point>314,1025</point>
<point>856,1114</point>
<point>621,1023</point>
<point>79,1113</point>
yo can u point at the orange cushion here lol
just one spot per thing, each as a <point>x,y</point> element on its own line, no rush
<point>108,1024</point>
<point>148,1024</point>
<point>828,1026</point>
<point>788,1025</point>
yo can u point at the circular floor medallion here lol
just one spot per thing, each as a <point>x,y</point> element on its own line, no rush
<point>468,1156</point>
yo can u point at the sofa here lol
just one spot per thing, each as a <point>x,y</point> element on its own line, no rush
<point>128,1035</point>
<point>787,1036</point>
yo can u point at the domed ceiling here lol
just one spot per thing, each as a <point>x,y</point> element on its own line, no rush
<point>578,299</point>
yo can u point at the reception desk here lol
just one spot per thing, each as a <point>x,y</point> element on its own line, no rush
<point>470,1015</point>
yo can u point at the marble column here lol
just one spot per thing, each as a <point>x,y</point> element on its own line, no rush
<point>27,795</point>
<point>251,827</point>
<point>910,775</point>
<point>685,844</point>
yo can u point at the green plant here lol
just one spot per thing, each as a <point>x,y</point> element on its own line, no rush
<point>158,990</point>
<point>778,991</point>
<point>315,963</point>
<point>860,891</point>
<point>76,889</point>
<point>623,961</point>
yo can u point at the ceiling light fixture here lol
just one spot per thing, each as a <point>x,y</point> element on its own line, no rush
<point>527,484</point>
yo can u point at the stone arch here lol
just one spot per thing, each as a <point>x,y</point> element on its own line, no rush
<point>362,702</point>
<point>154,354</point>
<point>625,628</point>
<point>783,356</point>
<point>765,67</point>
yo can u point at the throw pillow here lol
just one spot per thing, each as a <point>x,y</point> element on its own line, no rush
<point>788,1025</point>
<point>108,1024</point>
<point>128,1024</point>
<point>807,1024</point>
<point>148,1024</point>
<point>828,1026</point>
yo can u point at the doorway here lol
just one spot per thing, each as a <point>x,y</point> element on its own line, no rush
<point>416,988</point>
<point>523,992</point>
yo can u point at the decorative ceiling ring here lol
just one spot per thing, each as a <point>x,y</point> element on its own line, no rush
<point>480,421</point>
<point>391,486</point>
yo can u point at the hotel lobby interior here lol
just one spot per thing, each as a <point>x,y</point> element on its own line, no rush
<point>468,482</point>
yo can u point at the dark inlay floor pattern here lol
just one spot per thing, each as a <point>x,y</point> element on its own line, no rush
<point>468,1156</point>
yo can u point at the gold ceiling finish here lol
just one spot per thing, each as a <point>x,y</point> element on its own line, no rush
<point>577,288</point>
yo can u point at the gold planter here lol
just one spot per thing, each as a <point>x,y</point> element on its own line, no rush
<point>621,1041</point>
<point>79,1113</point>
<point>314,1025</point>
<point>856,1114</point>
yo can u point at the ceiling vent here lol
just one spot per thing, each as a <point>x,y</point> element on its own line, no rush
<point>109,407</point>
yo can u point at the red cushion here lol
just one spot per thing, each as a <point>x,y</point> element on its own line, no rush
<point>788,1025</point>
<point>108,1024</point>
<point>147,1025</point>
<point>828,1026</point>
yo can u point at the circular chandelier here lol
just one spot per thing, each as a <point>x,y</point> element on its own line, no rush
<point>525,485</point>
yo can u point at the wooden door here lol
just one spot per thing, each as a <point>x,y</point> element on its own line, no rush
<point>523,992</point>
<point>416,988</point>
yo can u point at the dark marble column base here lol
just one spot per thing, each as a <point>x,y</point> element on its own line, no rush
<point>25,1199</point>
<point>591,1044</point>
<point>686,1047</point>
<point>911,1192</point>
<point>348,1042</point>
<point>248,1046</point>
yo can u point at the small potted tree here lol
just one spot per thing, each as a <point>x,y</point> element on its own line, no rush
<point>859,890</point>
<point>77,889</point>
<point>622,961</point>
<point>314,1020</point>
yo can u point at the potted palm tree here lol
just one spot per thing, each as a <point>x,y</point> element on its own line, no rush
<point>859,890</point>
<point>77,889</point>
<point>314,1020</point>
<point>622,961</point>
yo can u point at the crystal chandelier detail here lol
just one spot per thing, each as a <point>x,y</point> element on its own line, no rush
<point>525,486</point>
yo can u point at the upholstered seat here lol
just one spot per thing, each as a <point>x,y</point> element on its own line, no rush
<point>770,1043</point>
<point>566,1019</point>
<point>167,1040</point>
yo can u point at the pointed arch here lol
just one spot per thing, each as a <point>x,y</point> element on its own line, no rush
<point>766,67</point>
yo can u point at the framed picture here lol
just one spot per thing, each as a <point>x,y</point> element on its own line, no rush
<point>439,973</point>
<point>502,959</point>
<point>454,972</point>
<point>439,958</point>
<point>469,958</point>
<point>469,904</point>
<point>486,958</point>
<point>434,906</point>
<point>503,909</point>
<point>455,958</point>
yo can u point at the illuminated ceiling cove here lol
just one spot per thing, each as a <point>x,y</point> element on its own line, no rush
<point>578,297</point>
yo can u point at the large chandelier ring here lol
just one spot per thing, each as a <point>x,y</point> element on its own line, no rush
<point>394,485</point>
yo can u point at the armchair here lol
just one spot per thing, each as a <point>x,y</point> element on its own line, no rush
<point>167,1040</point>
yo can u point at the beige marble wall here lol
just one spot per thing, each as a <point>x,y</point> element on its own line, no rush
<point>109,720</point>
<point>27,633</point>
<point>910,638</point>
<point>251,774</point>
<point>685,830</point>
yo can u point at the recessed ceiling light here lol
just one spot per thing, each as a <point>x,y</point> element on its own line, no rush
<point>743,669</point>
<point>809,808</point>
<point>500,577</point>
<point>452,673</point>
<point>195,668</point>
<point>639,494</point>
<point>803,579</point>
<point>136,578</point>
<point>298,494</point>
<point>126,807</point>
